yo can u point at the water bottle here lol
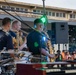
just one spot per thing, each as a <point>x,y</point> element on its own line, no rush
<point>60,58</point>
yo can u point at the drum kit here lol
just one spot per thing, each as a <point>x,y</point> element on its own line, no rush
<point>9,59</point>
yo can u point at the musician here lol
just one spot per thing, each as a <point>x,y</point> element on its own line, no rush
<point>18,39</point>
<point>36,41</point>
<point>5,37</point>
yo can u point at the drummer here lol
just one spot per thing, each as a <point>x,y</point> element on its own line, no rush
<point>5,37</point>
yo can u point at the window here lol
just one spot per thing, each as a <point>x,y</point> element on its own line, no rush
<point>17,9</point>
<point>57,15</point>
<point>8,7</point>
<point>63,14</point>
<point>46,12</point>
<point>12,9</point>
<point>26,10</point>
<point>34,10</point>
<point>21,9</point>
<point>38,11</point>
<point>42,12</point>
<point>53,13</point>
<point>4,7</point>
<point>71,16</point>
<point>62,27</point>
<point>49,13</point>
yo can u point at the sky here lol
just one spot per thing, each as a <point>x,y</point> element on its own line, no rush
<point>56,3</point>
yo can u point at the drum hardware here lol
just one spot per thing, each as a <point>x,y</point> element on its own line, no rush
<point>36,58</point>
<point>6,61</point>
<point>4,68</point>
<point>19,55</point>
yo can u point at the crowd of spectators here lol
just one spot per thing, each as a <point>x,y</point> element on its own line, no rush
<point>65,55</point>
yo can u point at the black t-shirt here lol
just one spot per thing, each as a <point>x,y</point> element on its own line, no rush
<point>5,40</point>
<point>36,41</point>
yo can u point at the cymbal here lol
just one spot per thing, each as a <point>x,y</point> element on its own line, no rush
<point>9,51</point>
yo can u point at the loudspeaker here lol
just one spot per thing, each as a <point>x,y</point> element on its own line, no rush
<point>60,33</point>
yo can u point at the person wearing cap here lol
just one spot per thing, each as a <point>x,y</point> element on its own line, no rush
<point>35,40</point>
